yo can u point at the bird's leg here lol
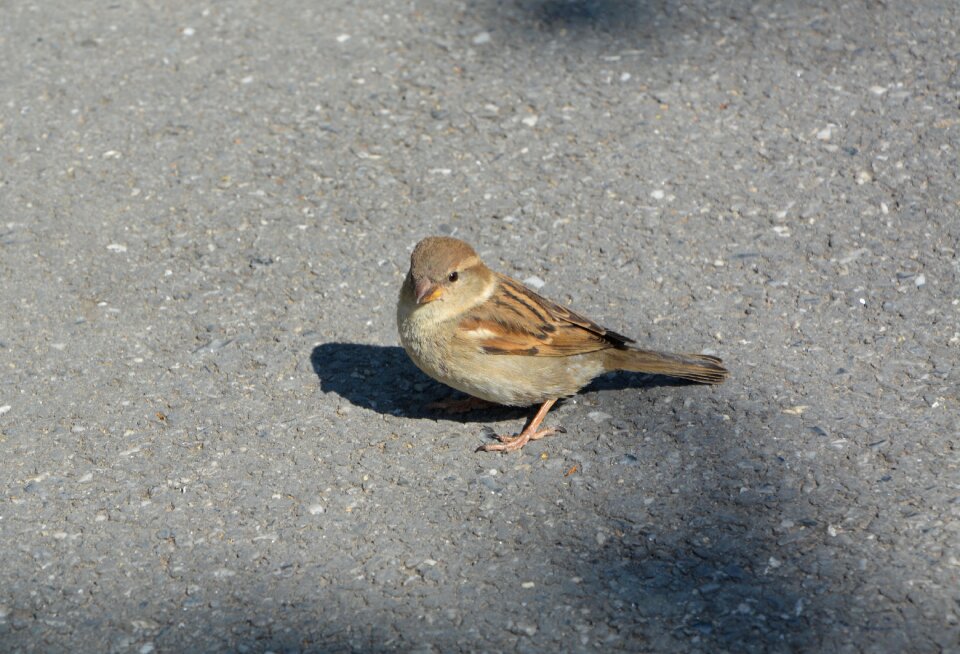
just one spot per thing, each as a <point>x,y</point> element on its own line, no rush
<point>529,433</point>
<point>460,405</point>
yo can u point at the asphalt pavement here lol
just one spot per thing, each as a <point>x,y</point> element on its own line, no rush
<point>212,441</point>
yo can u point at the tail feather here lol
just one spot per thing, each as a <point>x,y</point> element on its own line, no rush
<point>700,368</point>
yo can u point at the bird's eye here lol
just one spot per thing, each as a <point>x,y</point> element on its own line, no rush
<point>454,276</point>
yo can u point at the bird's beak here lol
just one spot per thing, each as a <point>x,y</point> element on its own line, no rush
<point>426,292</point>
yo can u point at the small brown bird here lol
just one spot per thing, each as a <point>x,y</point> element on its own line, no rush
<point>493,338</point>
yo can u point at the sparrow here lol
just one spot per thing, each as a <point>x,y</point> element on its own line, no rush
<point>493,338</point>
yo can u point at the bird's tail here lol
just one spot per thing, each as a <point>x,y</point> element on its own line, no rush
<point>699,368</point>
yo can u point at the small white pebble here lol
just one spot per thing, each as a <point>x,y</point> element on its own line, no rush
<point>599,416</point>
<point>825,134</point>
<point>4,409</point>
<point>527,584</point>
<point>863,177</point>
<point>920,280</point>
<point>343,38</point>
<point>878,90</point>
<point>657,195</point>
<point>247,80</point>
<point>884,209</point>
<point>530,121</point>
<point>529,629</point>
<point>117,247</point>
<point>625,77</point>
<point>316,509</point>
<point>534,282</point>
<point>189,31</point>
<point>481,38</point>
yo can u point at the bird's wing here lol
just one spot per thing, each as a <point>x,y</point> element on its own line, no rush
<point>515,320</point>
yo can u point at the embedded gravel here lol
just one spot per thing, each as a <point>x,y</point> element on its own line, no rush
<point>212,442</point>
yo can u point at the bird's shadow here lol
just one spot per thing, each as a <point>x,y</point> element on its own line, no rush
<point>383,378</point>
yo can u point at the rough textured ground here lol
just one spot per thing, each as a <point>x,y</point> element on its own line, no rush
<point>211,441</point>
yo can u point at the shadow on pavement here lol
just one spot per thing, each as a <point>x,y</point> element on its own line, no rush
<point>702,560</point>
<point>383,378</point>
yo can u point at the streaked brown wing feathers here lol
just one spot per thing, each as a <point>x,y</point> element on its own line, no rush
<point>515,320</point>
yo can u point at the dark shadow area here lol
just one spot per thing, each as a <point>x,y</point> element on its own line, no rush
<point>706,564</point>
<point>581,14</point>
<point>631,27</point>
<point>383,378</point>
<point>643,19</point>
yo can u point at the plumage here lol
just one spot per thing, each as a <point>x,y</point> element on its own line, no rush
<point>493,338</point>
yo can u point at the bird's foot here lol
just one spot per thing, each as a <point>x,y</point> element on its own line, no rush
<point>514,443</point>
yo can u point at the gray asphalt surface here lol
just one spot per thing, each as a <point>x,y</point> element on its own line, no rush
<point>211,440</point>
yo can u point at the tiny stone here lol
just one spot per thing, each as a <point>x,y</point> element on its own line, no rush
<point>527,584</point>
<point>657,195</point>
<point>920,280</point>
<point>5,408</point>
<point>530,121</point>
<point>534,282</point>
<point>316,509</point>
<point>524,628</point>
<point>343,38</point>
<point>599,416</point>
<point>481,38</point>
<point>825,134</point>
<point>117,247</point>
